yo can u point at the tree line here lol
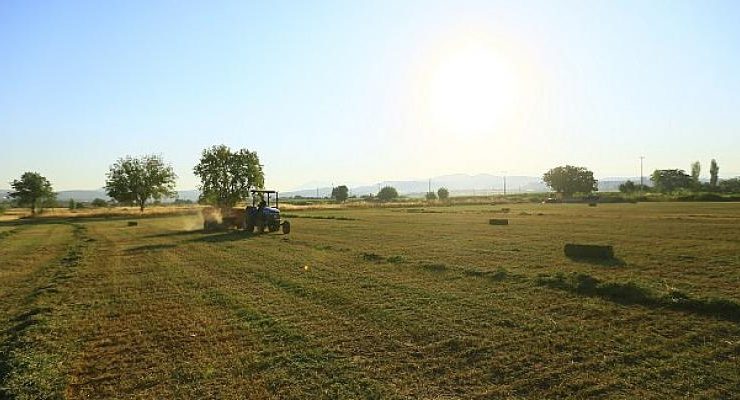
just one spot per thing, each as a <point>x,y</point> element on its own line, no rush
<point>569,180</point>
<point>227,175</point>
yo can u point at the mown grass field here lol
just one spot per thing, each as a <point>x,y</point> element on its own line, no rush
<point>379,303</point>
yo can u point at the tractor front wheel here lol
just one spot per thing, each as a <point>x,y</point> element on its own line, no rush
<point>286,227</point>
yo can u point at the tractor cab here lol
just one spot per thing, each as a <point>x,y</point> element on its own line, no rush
<point>264,212</point>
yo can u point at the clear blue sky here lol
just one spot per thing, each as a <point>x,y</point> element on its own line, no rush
<point>362,91</point>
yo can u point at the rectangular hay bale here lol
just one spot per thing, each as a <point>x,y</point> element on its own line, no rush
<point>498,221</point>
<point>133,223</point>
<point>573,250</point>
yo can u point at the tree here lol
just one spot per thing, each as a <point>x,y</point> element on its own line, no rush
<point>670,180</point>
<point>32,190</point>
<point>443,193</point>
<point>340,193</point>
<point>695,172</point>
<point>731,185</point>
<point>137,180</point>
<point>71,204</point>
<point>431,196</point>
<point>628,187</point>
<point>713,173</point>
<point>387,193</point>
<point>98,202</point>
<point>227,176</point>
<point>569,180</point>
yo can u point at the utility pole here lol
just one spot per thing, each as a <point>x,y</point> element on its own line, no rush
<point>430,185</point>
<point>504,172</point>
<point>641,175</point>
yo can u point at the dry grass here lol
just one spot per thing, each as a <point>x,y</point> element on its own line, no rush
<point>102,212</point>
<point>394,304</point>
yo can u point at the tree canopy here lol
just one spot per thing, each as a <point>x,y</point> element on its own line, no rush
<point>443,193</point>
<point>138,179</point>
<point>32,190</point>
<point>731,185</point>
<point>340,193</point>
<point>670,180</point>
<point>387,193</point>
<point>628,187</point>
<point>569,180</point>
<point>713,173</point>
<point>227,176</point>
<point>695,172</point>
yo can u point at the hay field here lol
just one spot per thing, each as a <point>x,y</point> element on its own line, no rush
<point>420,302</point>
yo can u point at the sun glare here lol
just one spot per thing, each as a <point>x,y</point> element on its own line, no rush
<point>469,90</point>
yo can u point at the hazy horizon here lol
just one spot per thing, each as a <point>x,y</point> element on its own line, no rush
<point>350,92</point>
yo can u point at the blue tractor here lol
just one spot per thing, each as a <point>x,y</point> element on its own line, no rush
<point>262,215</point>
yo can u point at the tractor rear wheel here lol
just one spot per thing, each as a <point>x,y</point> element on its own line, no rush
<point>286,227</point>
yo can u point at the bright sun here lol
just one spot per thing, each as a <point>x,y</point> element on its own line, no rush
<point>469,90</point>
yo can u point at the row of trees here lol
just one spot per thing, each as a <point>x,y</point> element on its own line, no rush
<point>568,180</point>
<point>387,193</point>
<point>226,178</point>
<point>673,180</point>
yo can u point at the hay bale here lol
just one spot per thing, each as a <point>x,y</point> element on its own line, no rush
<point>133,223</point>
<point>589,251</point>
<point>498,221</point>
<point>592,204</point>
<point>505,210</point>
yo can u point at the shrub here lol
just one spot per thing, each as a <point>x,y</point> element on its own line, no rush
<point>99,203</point>
<point>387,193</point>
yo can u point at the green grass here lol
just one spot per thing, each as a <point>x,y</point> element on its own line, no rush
<point>395,303</point>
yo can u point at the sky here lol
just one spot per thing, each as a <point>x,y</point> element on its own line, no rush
<point>360,92</point>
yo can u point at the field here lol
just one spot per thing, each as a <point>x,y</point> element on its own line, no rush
<point>415,302</point>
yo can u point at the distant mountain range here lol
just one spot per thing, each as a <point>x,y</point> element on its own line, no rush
<point>457,184</point>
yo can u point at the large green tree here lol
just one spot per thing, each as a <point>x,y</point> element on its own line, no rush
<point>670,180</point>
<point>137,180</point>
<point>443,193</point>
<point>226,176</point>
<point>32,190</point>
<point>387,193</point>
<point>569,180</point>
<point>340,193</point>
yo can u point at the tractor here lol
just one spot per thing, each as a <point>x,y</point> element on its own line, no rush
<point>263,215</point>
